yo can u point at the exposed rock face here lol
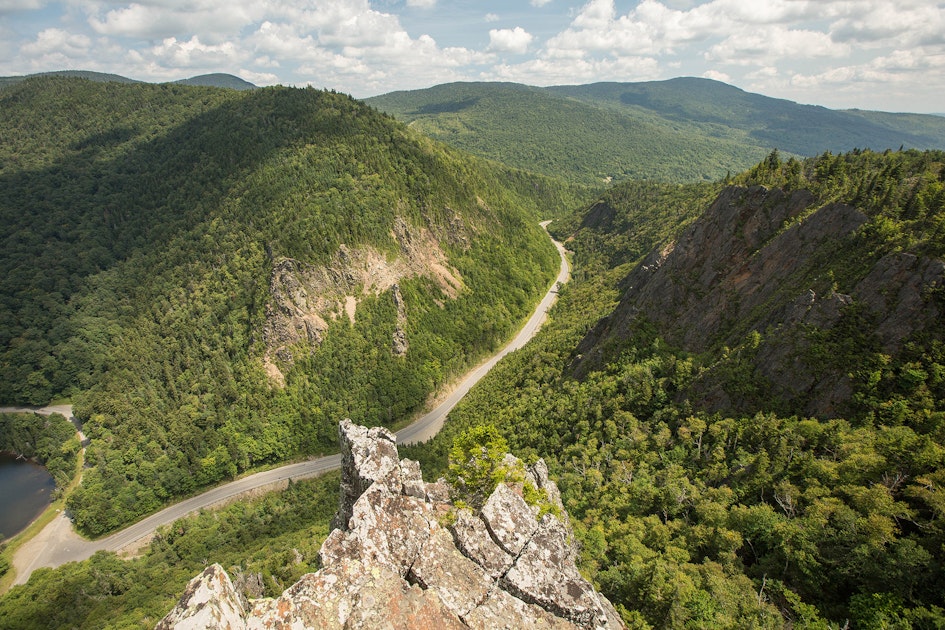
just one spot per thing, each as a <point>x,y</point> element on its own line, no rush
<point>755,262</point>
<point>212,602</point>
<point>305,298</point>
<point>393,562</point>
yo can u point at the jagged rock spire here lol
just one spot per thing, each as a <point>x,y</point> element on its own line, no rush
<point>391,560</point>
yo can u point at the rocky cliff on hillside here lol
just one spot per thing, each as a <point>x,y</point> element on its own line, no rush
<point>305,298</point>
<point>402,556</point>
<point>759,262</point>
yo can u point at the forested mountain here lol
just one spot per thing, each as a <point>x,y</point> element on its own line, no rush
<point>536,129</point>
<point>772,122</point>
<point>747,423</point>
<point>217,277</point>
<point>216,79</point>
<point>681,130</point>
<point>740,394</point>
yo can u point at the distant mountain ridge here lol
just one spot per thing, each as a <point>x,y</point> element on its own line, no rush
<point>684,129</point>
<point>216,79</point>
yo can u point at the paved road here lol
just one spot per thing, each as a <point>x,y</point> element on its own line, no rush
<point>58,543</point>
<point>430,424</point>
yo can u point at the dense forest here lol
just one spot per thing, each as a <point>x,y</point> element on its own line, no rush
<point>536,129</point>
<point>50,440</point>
<point>742,518</point>
<point>144,224</point>
<point>686,129</point>
<point>266,544</point>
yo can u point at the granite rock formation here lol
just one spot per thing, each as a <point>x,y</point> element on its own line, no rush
<point>401,555</point>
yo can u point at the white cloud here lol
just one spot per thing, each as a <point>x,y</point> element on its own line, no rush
<point>575,71</point>
<point>513,40</point>
<point>717,76</point>
<point>13,6</point>
<point>55,41</point>
<point>209,18</point>
<point>903,24</point>
<point>767,46</point>
<point>195,54</point>
<point>814,49</point>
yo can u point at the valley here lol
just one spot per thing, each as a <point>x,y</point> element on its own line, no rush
<point>740,392</point>
<point>58,543</point>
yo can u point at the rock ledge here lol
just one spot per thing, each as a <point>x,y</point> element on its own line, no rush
<point>402,556</point>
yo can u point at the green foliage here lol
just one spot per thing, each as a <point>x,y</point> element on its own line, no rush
<point>729,112</point>
<point>51,440</point>
<point>755,519</point>
<point>628,220</point>
<point>276,536</point>
<point>901,192</point>
<point>541,131</point>
<point>476,465</point>
<point>144,222</point>
<point>681,130</point>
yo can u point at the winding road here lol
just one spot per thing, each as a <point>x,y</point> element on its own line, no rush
<point>58,543</point>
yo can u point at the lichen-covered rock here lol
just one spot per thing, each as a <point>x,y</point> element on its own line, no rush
<point>473,540</point>
<point>501,611</point>
<point>545,576</point>
<point>412,479</point>
<point>509,519</point>
<point>386,530</point>
<point>209,603</point>
<point>392,562</point>
<point>460,583</point>
<point>367,455</point>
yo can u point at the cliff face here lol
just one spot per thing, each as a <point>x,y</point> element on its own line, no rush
<point>759,261</point>
<point>305,298</point>
<point>402,556</point>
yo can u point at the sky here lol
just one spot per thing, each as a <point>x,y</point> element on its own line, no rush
<point>884,55</point>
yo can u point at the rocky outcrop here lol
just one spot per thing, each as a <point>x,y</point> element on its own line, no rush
<point>756,263</point>
<point>305,298</point>
<point>211,602</point>
<point>400,555</point>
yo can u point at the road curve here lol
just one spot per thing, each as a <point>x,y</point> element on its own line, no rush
<point>58,543</point>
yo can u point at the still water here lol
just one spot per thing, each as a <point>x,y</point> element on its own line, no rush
<point>25,491</point>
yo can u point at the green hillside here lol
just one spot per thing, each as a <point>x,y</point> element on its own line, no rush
<point>681,130</point>
<point>218,79</point>
<point>535,129</point>
<point>702,494</point>
<point>786,125</point>
<point>153,237</point>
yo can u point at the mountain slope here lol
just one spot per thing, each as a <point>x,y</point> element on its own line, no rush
<point>218,79</point>
<point>848,255</point>
<point>747,424</point>
<point>101,77</point>
<point>786,125</point>
<point>218,276</point>
<point>679,130</point>
<point>535,129</point>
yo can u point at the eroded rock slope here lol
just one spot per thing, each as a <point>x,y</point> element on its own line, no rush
<point>783,267</point>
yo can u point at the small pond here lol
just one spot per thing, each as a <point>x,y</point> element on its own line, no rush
<point>25,491</point>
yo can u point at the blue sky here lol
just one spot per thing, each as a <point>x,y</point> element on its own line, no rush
<point>871,54</point>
